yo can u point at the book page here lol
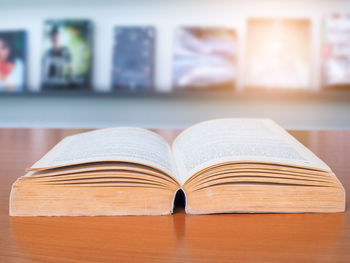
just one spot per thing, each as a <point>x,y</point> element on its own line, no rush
<point>226,140</point>
<point>126,144</point>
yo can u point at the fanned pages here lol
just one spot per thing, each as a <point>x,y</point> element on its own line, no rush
<point>239,140</point>
<point>223,166</point>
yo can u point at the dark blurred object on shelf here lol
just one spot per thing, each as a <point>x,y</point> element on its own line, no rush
<point>133,58</point>
<point>13,47</point>
<point>67,56</point>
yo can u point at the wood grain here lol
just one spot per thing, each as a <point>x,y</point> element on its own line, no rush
<point>176,238</point>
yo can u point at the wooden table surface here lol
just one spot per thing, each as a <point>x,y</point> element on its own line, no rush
<point>175,238</point>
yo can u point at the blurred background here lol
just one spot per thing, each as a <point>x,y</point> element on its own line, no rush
<point>170,64</point>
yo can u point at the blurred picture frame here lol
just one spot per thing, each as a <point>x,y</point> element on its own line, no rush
<point>13,60</point>
<point>336,51</point>
<point>278,53</point>
<point>133,59</point>
<point>67,54</point>
<point>204,58</point>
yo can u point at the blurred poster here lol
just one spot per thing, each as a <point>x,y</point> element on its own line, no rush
<point>67,56</point>
<point>278,53</point>
<point>336,50</point>
<point>13,47</point>
<point>133,58</point>
<point>204,57</point>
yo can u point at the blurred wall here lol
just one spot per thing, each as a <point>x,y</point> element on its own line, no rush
<point>169,112</point>
<point>165,15</point>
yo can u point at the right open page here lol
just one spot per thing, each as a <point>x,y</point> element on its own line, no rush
<point>252,165</point>
<point>226,140</point>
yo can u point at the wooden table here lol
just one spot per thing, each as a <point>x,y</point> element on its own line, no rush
<point>176,238</point>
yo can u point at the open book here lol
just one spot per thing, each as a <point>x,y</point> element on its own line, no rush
<point>223,166</point>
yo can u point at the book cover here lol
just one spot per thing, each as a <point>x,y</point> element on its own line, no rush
<point>336,50</point>
<point>204,57</point>
<point>67,54</point>
<point>133,58</point>
<point>278,53</point>
<point>13,45</point>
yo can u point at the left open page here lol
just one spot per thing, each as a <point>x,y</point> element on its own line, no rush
<point>124,144</point>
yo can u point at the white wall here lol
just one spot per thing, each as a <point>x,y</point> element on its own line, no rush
<point>165,15</point>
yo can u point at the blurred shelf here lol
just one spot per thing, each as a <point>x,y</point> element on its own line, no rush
<point>226,95</point>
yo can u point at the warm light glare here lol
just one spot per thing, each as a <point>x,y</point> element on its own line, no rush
<point>278,53</point>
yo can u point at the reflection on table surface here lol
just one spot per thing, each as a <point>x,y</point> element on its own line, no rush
<point>180,236</point>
